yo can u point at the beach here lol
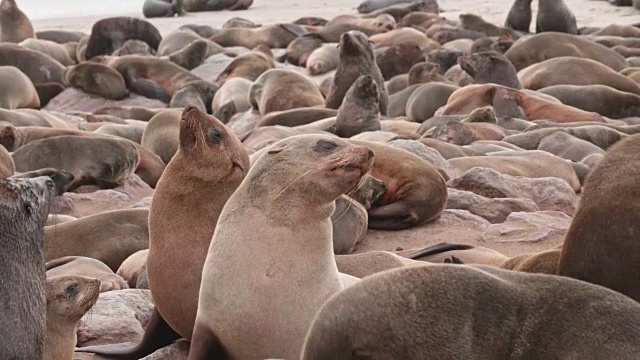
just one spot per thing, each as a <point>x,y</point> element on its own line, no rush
<point>81,15</point>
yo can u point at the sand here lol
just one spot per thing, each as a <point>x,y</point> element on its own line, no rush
<point>80,15</point>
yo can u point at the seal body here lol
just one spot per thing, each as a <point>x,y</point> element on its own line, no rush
<point>356,59</point>
<point>96,79</point>
<point>519,16</point>
<point>18,91</point>
<point>601,247</point>
<point>263,310</point>
<point>555,16</point>
<point>15,26</point>
<point>463,312</point>
<point>24,206</point>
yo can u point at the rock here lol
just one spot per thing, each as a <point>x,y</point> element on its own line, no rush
<point>72,99</point>
<point>540,230</point>
<point>89,202</point>
<point>548,193</point>
<point>432,156</point>
<point>118,317</point>
<point>453,226</point>
<point>179,350</point>
<point>494,210</point>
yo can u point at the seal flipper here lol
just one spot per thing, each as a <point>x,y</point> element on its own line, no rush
<point>438,249</point>
<point>157,335</point>
<point>205,345</point>
<point>148,88</point>
<point>396,216</point>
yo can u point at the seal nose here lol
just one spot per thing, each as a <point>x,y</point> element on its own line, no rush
<point>371,154</point>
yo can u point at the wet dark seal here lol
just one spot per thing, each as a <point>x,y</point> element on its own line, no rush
<point>108,35</point>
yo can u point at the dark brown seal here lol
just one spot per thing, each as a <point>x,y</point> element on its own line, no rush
<point>604,100</point>
<point>490,67</point>
<point>359,111</point>
<point>162,8</point>
<point>107,35</point>
<point>356,59</point>
<point>601,246</point>
<point>15,26</point>
<point>472,312</point>
<point>24,208</point>
<point>555,16</point>
<point>216,5</point>
<point>96,79</point>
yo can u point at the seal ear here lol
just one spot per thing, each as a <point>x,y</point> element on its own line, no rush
<point>276,149</point>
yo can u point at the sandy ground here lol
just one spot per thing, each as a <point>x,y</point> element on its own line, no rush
<point>81,14</point>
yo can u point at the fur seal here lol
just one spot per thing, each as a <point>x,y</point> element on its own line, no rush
<point>198,93</point>
<point>298,50</point>
<point>161,135</point>
<point>600,246</point>
<point>162,8</point>
<point>272,36</point>
<point>567,70</point>
<point>55,50</point>
<point>211,162</point>
<point>323,59</point>
<point>61,179</point>
<point>15,26</point>
<point>349,223</point>
<point>322,165</point>
<point>60,36</point>
<point>356,59</point>
<point>460,133</point>
<point>568,147</point>
<point>359,111</point>
<point>39,67</point>
<point>231,98</point>
<point>107,35</point>
<point>416,192</point>
<point>7,166</point>
<point>131,268</point>
<point>96,79</point>
<point>399,59</point>
<point>489,305</point>
<point>216,5</point>
<point>369,6</point>
<point>24,207</point>
<point>248,66</point>
<point>102,161</point>
<point>555,16</point>
<point>490,67</point>
<point>425,101</point>
<point>68,299</point>
<point>84,266</point>
<point>280,89</point>
<point>18,92</point>
<point>602,99</point>
<point>541,47</point>
<point>545,262</point>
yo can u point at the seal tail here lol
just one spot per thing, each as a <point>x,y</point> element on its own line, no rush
<point>157,335</point>
<point>438,249</point>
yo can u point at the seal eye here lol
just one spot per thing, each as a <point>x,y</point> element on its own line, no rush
<point>215,135</point>
<point>328,145</point>
<point>72,289</point>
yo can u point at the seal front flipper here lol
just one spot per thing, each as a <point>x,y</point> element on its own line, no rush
<point>148,88</point>
<point>157,335</point>
<point>396,216</point>
<point>205,345</point>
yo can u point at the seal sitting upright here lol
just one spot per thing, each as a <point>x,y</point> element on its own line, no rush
<point>257,307</point>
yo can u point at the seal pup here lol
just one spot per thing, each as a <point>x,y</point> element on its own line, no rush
<point>359,111</point>
<point>601,246</point>
<point>281,89</point>
<point>356,59</point>
<point>68,299</point>
<point>15,26</point>
<point>519,16</point>
<point>555,16</point>
<point>282,207</point>
<point>24,206</point>
<point>88,267</point>
<point>479,312</point>
<point>208,167</point>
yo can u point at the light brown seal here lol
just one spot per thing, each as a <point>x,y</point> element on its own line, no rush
<point>416,192</point>
<point>540,47</point>
<point>249,66</point>
<point>490,67</point>
<point>602,99</point>
<point>211,163</point>
<point>89,267</point>
<point>68,299</point>
<point>359,111</point>
<point>321,165</point>
<point>102,161</point>
<point>601,247</point>
<point>24,206</point>
<point>356,59</point>
<point>473,312</point>
<point>568,70</point>
<point>7,166</point>
<point>55,50</point>
<point>131,268</point>
<point>272,36</point>
<point>96,79</point>
<point>161,135</point>
<point>216,5</point>
<point>18,91</point>
<point>15,26</point>
<point>280,89</point>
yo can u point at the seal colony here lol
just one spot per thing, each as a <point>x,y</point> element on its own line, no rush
<point>391,183</point>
